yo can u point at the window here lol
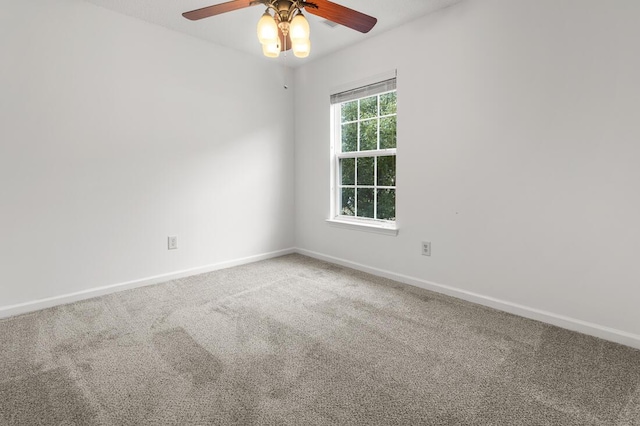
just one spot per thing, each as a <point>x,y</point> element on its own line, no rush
<point>364,155</point>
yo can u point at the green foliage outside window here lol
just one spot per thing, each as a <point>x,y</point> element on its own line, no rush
<point>367,184</point>
<point>368,107</point>
<point>368,135</point>
<point>349,137</point>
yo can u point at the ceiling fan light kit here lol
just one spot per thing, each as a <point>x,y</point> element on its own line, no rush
<point>302,49</point>
<point>288,28</point>
<point>287,23</point>
<point>267,29</point>
<point>271,50</point>
<point>299,27</point>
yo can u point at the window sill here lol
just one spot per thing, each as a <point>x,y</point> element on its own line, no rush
<point>375,227</point>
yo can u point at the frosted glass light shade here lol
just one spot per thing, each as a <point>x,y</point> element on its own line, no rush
<point>267,29</point>
<point>299,29</point>
<point>301,48</point>
<point>271,50</point>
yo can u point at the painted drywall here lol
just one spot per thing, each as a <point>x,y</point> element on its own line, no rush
<point>115,134</point>
<point>517,155</point>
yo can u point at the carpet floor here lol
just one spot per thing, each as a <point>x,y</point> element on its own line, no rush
<point>296,341</point>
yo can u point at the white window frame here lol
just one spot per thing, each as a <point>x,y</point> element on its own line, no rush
<point>381,226</point>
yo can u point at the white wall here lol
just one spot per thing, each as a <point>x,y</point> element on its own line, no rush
<point>518,155</point>
<point>115,134</point>
<point>518,152</point>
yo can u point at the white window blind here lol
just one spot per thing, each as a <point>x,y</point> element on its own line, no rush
<point>363,92</point>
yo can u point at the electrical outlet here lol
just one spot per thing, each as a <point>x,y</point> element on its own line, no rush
<point>426,248</point>
<point>173,243</point>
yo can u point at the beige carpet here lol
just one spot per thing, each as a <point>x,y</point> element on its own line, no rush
<point>297,341</point>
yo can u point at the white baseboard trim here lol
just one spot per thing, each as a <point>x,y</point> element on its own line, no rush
<point>562,321</point>
<point>36,305</point>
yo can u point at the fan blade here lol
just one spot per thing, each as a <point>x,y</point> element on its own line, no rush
<point>217,9</point>
<point>342,15</point>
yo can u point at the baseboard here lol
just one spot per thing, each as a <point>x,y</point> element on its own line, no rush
<point>607,333</point>
<point>603,332</point>
<point>23,308</point>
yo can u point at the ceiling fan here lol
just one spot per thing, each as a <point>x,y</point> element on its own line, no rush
<point>287,28</point>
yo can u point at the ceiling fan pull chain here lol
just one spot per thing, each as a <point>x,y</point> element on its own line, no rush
<point>284,65</point>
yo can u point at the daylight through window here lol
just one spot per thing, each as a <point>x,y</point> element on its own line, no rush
<point>365,122</point>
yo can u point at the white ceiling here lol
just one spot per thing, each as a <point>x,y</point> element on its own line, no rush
<point>237,29</point>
